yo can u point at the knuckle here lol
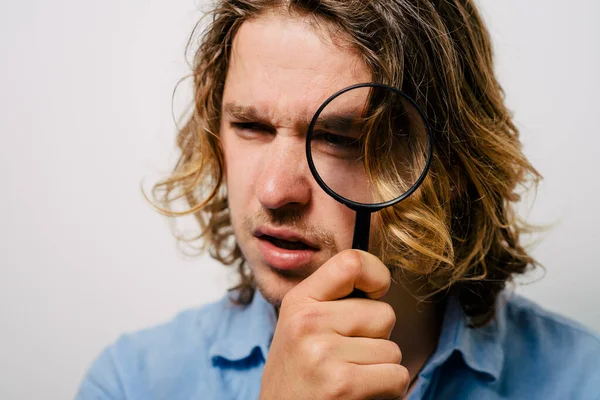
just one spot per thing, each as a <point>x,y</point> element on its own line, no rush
<point>317,351</point>
<point>349,263</point>
<point>403,377</point>
<point>304,321</point>
<point>395,352</point>
<point>388,316</point>
<point>339,383</point>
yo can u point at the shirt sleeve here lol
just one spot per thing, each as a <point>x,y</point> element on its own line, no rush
<point>102,380</point>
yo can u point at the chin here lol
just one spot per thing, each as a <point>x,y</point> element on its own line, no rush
<point>273,285</point>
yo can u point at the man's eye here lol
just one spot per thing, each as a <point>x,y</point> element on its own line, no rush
<point>337,140</point>
<point>252,127</point>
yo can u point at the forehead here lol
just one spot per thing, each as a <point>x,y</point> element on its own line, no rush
<point>285,67</point>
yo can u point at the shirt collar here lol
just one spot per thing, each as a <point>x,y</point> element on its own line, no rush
<point>247,328</point>
<point>242,330</point>
<point>481,347</point>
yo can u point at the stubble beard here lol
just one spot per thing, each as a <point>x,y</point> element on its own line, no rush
<point>295,220</point>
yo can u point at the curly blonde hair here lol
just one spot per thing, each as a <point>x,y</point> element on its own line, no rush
<point>459,233</point>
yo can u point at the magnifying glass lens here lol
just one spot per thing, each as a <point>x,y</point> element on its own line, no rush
<point>369,144</point>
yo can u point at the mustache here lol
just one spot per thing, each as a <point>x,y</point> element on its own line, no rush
<point>294,219</point>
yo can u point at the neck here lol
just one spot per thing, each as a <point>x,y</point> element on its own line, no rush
<point>417,329</point>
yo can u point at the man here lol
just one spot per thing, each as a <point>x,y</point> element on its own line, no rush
<point>436,321</point>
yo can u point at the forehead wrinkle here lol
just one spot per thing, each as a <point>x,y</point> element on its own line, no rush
<point>262,114</point>
<point>261,110</point>
<point>290,111</point>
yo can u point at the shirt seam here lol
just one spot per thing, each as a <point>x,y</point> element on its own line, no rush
<point>117,372</point>
<point>550,317</point>
<point>96,385</point>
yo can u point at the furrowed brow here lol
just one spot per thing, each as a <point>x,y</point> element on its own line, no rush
<point>340,122</point>
<point>244,113</point>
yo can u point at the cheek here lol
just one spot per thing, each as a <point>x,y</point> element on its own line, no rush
<point>243,166</point>
<point>238,174</point>
<point>335,218</point>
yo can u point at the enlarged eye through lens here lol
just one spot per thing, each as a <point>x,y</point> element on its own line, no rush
<point>369,144</point>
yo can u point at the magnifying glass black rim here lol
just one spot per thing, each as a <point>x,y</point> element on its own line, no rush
<point>353,204</point>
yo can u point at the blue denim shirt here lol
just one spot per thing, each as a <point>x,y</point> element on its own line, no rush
<point>218,352</point>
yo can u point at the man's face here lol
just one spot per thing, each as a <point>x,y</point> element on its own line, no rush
<point>281,69</point>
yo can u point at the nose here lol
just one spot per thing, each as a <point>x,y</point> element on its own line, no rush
<point>285,179</point>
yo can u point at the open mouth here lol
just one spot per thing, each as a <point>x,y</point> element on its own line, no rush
<point>286,244</point>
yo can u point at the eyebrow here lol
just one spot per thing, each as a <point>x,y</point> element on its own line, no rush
<point>340,122</point>
<point>246,113</point>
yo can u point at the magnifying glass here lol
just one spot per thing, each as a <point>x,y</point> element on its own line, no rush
<point>369,147</point>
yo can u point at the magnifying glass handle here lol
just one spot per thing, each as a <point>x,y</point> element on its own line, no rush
<point>362,227</point>
<point>360,241</point>
<point>356,294</point>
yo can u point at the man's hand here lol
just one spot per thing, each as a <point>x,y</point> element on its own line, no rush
<point>327,346</point>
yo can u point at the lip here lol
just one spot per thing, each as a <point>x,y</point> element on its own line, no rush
<point>280,258</point>
<point>285,234</point>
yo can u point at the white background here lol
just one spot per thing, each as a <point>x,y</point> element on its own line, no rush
<point>85,116</point>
